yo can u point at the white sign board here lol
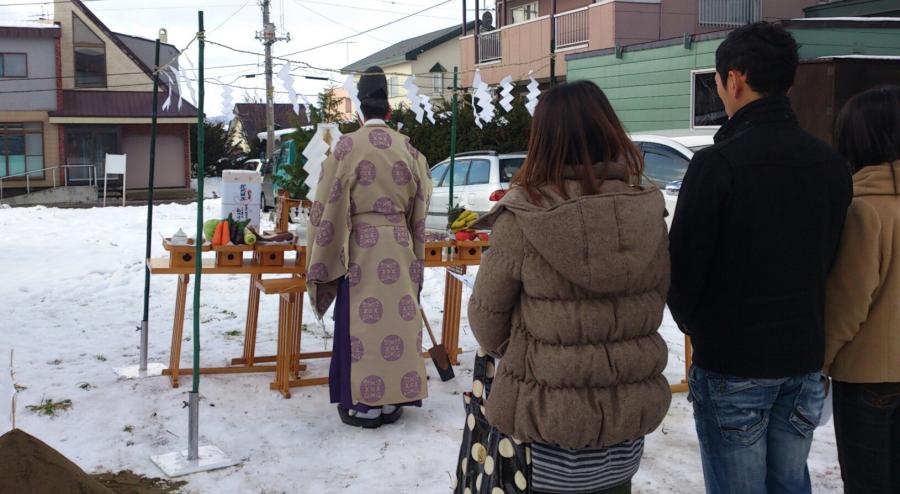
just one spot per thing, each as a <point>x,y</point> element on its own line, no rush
<point>115,164</point>
<point>241,191</point>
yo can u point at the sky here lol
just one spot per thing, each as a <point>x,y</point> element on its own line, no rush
<point>235,23</point>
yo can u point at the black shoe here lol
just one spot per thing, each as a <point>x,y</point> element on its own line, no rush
<point>349,417</point>
<point>390,418</point>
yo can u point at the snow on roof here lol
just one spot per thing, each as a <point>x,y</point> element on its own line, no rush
<point>850,19</point>
<point>278,133</point>
<point>28,24</point>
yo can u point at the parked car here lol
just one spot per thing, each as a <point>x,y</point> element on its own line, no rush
<point>271,169</point>
<point>480,178</point>
<point>667,154</point>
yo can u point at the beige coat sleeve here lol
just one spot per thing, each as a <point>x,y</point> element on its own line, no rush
<point>498,286</point>
<point>854,278</point>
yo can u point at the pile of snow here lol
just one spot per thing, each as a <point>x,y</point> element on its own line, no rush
<point>72,298</point>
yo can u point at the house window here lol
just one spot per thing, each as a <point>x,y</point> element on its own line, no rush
<point>393,87</point>
<point>437,83</point>
<point>89,54</point>
<point>13,65</point>
<point>523,13</point>
<point>707,110</point>
<point>728,13</point>
<point>21,150</point>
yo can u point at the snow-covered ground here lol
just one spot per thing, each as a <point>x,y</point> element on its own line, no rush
<point>71,297</point>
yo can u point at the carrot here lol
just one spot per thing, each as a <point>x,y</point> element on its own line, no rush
<point>217,235</point>
<point>226,233</point>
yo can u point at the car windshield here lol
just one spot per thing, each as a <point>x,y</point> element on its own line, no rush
<point>509,167</point>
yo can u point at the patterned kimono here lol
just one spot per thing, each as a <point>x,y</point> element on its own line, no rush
<point>367,248</point>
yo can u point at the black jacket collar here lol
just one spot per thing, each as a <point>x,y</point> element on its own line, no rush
<point>770,109</point>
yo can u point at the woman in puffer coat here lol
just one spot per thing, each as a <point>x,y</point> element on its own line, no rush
<point>570,297</point>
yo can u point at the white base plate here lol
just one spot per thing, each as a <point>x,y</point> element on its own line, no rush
<point>134,372</point>
<point>176,464</point>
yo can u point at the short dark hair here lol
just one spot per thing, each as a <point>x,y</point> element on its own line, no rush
<point>765,52</point>
<point>867,131</point>
<point>374,108</point>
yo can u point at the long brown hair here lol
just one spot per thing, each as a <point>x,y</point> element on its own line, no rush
<point>574,126</point>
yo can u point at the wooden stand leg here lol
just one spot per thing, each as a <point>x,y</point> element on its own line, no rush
<point>178,327</point>
<point>297,334</point>
<point>252,319</point>
<point>282,361</point>
<point>452,308</point>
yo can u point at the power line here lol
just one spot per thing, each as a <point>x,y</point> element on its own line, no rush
<point>230,16</point>
<point>304,7</point>
<point>369,30</point>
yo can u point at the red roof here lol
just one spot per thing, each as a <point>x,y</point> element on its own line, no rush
<point>25,31</point>
<point>132,104</point>
<point>253,117</point>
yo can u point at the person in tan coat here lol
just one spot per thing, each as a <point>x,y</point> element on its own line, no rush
<point>570,297</point>
<point>862,311</point>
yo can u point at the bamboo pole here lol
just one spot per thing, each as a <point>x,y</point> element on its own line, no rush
<point>145,329</point>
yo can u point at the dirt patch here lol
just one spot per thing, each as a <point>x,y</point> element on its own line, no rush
<point>29,465</point>
<point>128,482</point>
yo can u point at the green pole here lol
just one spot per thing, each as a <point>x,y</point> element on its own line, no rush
<point>454,107</point>
<point>194,395</point>
<point>199,236</point>
<point>144,321</point>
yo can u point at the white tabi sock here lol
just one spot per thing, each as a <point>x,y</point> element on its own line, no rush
<point>373,413</point>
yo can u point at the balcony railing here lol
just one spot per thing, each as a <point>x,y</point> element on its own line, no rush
<point>572,28</point>
<point>489,46</point>
<point>729,13</point>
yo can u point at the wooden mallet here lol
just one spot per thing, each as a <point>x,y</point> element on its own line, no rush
<point>438,354</point>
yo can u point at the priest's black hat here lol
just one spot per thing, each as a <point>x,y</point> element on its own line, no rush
<point>372,85</point>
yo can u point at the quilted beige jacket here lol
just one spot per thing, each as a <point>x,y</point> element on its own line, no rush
<point>570,297</point>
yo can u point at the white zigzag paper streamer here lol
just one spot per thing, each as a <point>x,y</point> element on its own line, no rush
<point>412,92</point>
<point>350,87</point>
<point>476,86</point>
<point>185,78</point>
<point>427,107</point>
<point>506,96</point>
<point>316,152</point>
<point>306,106</point>
<point>486,102</point>
<point>287,81</point>
<point>534,92</point>
<point>168,103</point>
<point>227,102</point>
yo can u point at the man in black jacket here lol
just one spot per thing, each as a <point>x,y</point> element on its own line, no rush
<point>757,225</point>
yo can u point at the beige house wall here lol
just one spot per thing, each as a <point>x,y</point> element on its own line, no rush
<point>51,145</point>
<point>447,54</point>
<point>116,60</point>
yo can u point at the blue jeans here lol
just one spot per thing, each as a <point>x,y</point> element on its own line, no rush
<point>755,434</point>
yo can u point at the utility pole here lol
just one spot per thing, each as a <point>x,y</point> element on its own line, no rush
<point>268,37</point>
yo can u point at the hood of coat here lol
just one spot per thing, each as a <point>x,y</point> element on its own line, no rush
<point>599,242</point>
<point>876,180</point>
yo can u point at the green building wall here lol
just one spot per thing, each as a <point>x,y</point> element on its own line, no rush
<point>650,89</point>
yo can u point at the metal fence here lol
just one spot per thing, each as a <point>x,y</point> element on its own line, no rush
<point>729,13</point>
<point>489,46</point>
<point>571,28</point>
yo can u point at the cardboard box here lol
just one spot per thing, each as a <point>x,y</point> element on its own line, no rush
<point>241,195</point>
